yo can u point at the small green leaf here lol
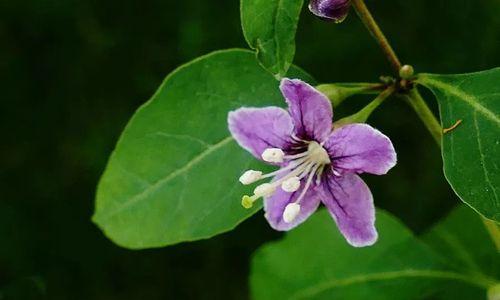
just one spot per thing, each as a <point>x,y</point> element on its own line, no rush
<point>314,262</point>
<point>269,27</point>
<point>471,150</point>
<point>173,176</point>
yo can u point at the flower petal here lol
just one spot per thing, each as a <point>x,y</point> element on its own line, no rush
<point>361,148</point>
<point>350,203</point>
<point>275,205</point>
<point>256,129</point>
<point>311,111</point>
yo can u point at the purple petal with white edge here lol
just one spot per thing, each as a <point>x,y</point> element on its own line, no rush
<point>275,205</point>
<point>311,111</point>
<point>256,129</point>
<point>360,148</point>
<point>335,10</point>
<point>350,202</point>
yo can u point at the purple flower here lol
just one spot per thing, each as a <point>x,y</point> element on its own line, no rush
<point>335,10</point>
<point>317,164</point>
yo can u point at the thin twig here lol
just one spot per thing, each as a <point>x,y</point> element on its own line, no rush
<point>446,130</point>
<point>372,26</point>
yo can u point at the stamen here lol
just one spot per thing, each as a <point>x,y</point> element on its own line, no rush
<point>250,177</point>
<point>273,155</point>
<point>290,166</point>
<point>310,161</point>
<point>267,189</point>
<point>294,137</point>
<point>264,190</point>
<point>307,169</point>
<point>308,184</point>
<point>291,185</point>
<point>291,212</point>
<point>302,154</point>
<point>319,173</point>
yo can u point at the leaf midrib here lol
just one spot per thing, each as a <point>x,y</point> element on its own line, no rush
<point>483,161</point>
<point>391,275</point>
<point>275,34</point>
<point>462,95</point>
<point>159,183</point>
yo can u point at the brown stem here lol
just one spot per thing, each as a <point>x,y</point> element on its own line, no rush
<point>372,26</point>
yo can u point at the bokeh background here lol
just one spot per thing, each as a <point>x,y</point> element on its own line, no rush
<point>72,72</point>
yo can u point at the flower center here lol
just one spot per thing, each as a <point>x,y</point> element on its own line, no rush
<point>318,154</point>
<point>299,169</point>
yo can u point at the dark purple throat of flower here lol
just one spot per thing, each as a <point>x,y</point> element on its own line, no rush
<point>315,163</point>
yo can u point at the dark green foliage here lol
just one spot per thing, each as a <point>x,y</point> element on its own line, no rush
<point>72,74</point>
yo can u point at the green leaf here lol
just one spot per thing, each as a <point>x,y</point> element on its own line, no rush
<point>472,149</point>
<point>315,262</point>
<point>463,240</point>
<point>173,176</point>
<point>269,27</point>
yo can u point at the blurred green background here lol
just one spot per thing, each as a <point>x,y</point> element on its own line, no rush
<point>73,72</point>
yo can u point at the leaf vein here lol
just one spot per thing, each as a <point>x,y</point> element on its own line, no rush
<point>462,95</point>
<point>483,162</point>
<point>183,137</point>
<point>381,276</point>
<point>156,185</point>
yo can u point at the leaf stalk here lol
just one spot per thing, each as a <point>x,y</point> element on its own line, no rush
<point>415,100</point>
<point>363,115</point>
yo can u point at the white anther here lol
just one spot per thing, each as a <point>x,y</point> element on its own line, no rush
<point>336,173</point>
<point>250,177</point>
<point>291,184</point>
<point>273,155</point>
<point>291,212</point>
<point>265,189</point>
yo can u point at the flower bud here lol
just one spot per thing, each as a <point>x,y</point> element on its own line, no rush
<point>335,10</point>
<point>406,72</point>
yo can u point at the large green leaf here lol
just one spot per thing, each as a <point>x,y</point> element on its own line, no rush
<point>173,176</point>
<point>471,151</point>
<point>468,248</point>
<point>269,27</point>
<point>315,262</point>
